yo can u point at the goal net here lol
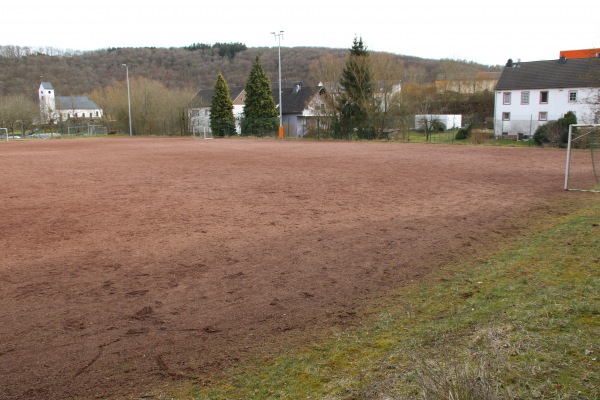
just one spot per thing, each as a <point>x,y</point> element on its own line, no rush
<point>87,130</point>
<point>4,134</point>
<point>201,132</point>
<point>582,171</point>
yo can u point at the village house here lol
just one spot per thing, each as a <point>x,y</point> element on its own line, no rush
<point>300,104</point>
<point>529,94</point>
<point>479,83</point>
<point>199,111</point>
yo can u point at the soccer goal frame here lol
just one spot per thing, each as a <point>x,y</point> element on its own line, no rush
<point>205,134</point>
<point>5,130</point>
<point>87,130</point>
<point>585,139</point>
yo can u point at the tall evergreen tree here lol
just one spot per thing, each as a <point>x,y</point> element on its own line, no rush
<point>356,101</point>
<point>222,122</point>
<point>260,112</point>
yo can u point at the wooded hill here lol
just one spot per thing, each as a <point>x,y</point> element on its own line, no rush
<point>194,67</point>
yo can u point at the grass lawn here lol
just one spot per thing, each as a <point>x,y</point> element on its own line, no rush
<point>524,323</point>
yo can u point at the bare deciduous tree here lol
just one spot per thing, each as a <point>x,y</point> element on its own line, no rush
<point>17,112</point>
<point>154,108</point>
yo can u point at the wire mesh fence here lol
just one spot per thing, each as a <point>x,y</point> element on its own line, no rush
<point>397,128</point>
<point>403,129</point>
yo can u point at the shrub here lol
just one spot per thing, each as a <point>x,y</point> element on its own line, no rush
<point>463,132</point>
<point>555,133</point>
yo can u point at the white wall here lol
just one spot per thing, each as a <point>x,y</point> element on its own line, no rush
<point>82,114</point>
<point>525,118</point>
<point>451,121</point>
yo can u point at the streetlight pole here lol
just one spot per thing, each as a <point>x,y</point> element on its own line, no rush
<point>128,98</point>
<point>279,36</point>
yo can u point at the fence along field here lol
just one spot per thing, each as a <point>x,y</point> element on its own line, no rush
<point>141,261</point>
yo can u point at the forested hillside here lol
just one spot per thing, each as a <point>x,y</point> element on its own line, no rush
<point>191,68</point>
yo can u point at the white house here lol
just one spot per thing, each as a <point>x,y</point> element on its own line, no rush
<point>301,107</point>
<point>61,108</point>
<point>529,94</point>
<point>478,83</point>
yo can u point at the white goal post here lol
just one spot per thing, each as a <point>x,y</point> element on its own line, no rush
<point>582,170</point>
<point>87,130</point>
<point>4,133</point>
<point>201,133</point>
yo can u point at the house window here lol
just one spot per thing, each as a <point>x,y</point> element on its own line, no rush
<point>572,96</point>
<point>505,116</point>
<point>544,97</point>
<point>524,97</point>
<point>506,98</point>
<point>543,116</point>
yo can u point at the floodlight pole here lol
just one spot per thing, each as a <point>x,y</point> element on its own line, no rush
<point>278,36</point>
<point>128,98</point>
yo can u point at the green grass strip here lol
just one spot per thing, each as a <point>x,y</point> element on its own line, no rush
<point>524,324</point>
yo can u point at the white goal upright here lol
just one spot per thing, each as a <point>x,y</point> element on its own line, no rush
<point>582,170</point>
<point>4,133</point>
<point>201,132</point>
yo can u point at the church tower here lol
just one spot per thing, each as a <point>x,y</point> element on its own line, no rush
<point>47,101</point>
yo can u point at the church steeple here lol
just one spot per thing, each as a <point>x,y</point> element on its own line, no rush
<point>47,100</point>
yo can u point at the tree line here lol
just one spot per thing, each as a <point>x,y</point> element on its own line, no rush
<point>195,67</point>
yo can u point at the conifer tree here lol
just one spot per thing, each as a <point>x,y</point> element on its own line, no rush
<point>356,101</point>
<point>222,121</point>
<point>260,112</point>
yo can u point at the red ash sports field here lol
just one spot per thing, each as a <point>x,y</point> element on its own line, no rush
<point>130,264</point>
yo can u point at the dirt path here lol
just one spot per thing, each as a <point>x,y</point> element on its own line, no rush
<point>128,264</point>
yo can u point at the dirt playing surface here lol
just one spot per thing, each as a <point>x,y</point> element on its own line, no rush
<point>131,264</point>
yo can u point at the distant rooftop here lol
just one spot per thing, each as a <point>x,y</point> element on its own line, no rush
<point>551,74</point>
<point>75,103</point>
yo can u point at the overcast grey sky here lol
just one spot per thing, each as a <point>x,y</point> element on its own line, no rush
<point>479,31</point>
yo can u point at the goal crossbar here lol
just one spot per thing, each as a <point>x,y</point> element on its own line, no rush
<point>569,149</point>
